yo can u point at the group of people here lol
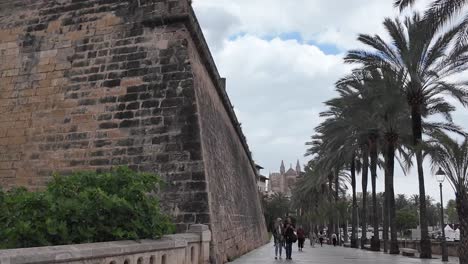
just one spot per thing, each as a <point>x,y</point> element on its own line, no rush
<point>285,234</point>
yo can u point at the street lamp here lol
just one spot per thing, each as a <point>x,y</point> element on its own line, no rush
<point>440,176</point>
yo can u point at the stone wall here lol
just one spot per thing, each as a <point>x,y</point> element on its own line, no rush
<point>188,248</point>
<point>92,84</point>
<point>237,221</point>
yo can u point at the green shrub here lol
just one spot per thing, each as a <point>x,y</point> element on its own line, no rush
<point>84,207</point>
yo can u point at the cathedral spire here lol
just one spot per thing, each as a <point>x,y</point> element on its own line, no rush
<point>298,167</point>
<point>282,168</point>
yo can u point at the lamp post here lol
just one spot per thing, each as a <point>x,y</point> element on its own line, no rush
<point>440,175</point>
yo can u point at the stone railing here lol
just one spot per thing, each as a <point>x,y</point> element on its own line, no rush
<point>452,247</point>
<point>187,248</point>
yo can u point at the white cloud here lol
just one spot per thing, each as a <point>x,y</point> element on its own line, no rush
<point>277,88</point>
<point>334,21</point>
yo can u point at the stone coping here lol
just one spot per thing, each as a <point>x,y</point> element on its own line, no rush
<point>77,252</point>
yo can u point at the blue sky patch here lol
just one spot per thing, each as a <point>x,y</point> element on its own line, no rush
<point>236,36</point>
<point>327,48</point>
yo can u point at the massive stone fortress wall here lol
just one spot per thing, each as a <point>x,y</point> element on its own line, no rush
<point>91,84</point>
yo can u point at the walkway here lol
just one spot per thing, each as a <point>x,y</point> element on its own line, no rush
<point>330,255</point>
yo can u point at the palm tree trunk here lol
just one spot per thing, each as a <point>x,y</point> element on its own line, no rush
<point>462,209</point>
<point>331,224</point>
<point>390,193</point>
<point>426,251</point>
<point>385,212</point>
<point>337,197</point>
<point>385,215</point>
<point>354,229</point>
<point>344,226</point>
<point>365,171</point>
<point>375,241</point>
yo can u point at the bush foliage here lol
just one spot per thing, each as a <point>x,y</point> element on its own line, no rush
<point>82,208</point>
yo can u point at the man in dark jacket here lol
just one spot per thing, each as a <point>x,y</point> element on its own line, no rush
<point>289,237</point>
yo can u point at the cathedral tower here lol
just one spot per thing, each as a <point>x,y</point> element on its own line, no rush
<point>298,168</point>
<point>282,168</point>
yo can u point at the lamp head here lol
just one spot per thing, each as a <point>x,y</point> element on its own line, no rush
<point>440,175</point>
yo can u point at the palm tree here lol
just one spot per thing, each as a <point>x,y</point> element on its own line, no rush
<point>274,206</point>
<point>347,122</point>
<point>314,195</point>
<point>337,147</point>
<point>440,12</point>
<point>452,157</point>
<point>387,119</point>
<point>425,60</point>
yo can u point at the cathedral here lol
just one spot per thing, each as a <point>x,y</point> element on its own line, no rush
<point>283,181</point>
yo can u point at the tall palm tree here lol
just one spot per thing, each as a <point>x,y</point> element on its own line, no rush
<point>452,157</point>
<point>426,60</point>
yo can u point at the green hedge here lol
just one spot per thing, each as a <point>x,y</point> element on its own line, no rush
<point>82,208</point>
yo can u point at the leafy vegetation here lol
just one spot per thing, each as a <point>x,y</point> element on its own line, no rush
<point>406,219</point>
<point>275,206</point>
<point>452,212</point>
<point>84,207</point>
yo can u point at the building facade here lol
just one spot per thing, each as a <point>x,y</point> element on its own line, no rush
<point>284,181</point>
<point>261,180</point>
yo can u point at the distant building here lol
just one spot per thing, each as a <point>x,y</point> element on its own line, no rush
<point>284,181</point>
<point>261,180</point>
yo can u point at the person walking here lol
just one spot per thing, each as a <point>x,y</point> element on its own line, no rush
<point>334,239</point>
<point>300,238</point>
<point>289,237</point>
<point>278,237</point>
<point>321,239</point>
<point>312,238</point>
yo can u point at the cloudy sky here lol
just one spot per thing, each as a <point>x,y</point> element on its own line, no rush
<point>281,59</point>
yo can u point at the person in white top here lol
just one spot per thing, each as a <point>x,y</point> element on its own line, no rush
<point>278,237</point>
<point>312,238</point>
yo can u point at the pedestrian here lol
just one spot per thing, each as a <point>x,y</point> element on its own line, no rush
<point>289,237</point>
<point>278,237</point>
<point>321,239</point>
<point>300,238</point>
<point>334,240</point>
<point>312,238</point>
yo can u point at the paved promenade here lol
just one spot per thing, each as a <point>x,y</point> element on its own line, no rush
<point>330,255</point>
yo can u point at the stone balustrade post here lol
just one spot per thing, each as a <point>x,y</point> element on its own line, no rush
<point>205,239</point>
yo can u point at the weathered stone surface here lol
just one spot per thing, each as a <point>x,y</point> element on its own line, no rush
<point>192,247</point>
<point>101,83</point>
